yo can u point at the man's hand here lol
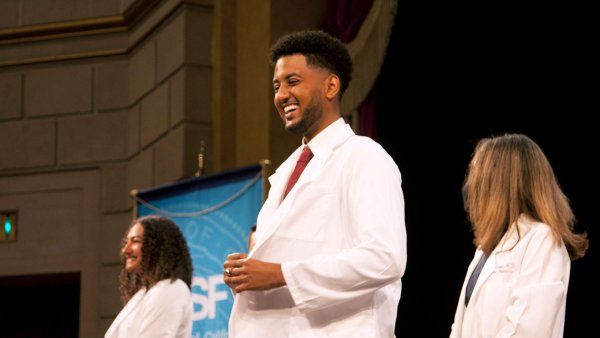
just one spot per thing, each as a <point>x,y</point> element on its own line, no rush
<point>242,273</point>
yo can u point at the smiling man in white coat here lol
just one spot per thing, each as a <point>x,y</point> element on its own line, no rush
<point>331,241</point>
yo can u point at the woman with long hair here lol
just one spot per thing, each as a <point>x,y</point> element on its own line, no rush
<point>516,285</point>
<point>155,282</point>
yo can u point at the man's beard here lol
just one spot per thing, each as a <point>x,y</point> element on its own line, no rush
<point>312,113</point>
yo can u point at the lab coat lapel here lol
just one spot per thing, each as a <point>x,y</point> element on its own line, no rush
<point>274,211</point>
<point>309,174</point>
<point>315,166</point>
<point>506,243</point>
<point>271,211</point>
<point>487,270</point>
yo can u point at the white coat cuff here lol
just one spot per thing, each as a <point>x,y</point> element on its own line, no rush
<point>300,298</point>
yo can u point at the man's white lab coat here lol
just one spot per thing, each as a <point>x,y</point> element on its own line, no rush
<point>341,239</point>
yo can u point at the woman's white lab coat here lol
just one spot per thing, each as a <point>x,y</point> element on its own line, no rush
<point>522,288</point>
<point>163,311</point>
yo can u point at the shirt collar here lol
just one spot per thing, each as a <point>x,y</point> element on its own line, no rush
<point>321,141</point>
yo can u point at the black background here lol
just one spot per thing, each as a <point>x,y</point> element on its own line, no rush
<point>40,306</point>
<point>455,73</point>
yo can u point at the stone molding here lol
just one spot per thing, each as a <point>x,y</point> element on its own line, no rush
<point>86,38</point>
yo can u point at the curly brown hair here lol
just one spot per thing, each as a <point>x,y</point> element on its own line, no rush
<point>165,254</point>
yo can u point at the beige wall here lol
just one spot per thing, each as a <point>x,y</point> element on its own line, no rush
<point>259,131</point>
<point>87,116</point>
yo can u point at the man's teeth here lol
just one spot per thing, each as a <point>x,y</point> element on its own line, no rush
<point>289,108</point>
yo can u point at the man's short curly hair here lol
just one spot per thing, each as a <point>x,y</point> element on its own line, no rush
<point>320,49</point>
<point>165,254</point>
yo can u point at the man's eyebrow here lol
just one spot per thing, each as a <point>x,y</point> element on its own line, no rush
<point>287,77</point>
<point>291,74</point>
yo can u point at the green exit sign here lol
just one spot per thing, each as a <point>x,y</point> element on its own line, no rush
<point>8,226</point>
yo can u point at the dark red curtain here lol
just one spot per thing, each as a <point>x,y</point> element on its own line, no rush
<point>343,19</point>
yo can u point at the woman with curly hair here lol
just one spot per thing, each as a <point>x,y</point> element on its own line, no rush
<point>155,282</point>
<point>516,285</point>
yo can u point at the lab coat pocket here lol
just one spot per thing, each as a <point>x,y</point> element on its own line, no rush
<point>494,302</point>
<point>310,214</point>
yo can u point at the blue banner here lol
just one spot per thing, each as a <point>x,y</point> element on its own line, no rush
<point>215,214</point>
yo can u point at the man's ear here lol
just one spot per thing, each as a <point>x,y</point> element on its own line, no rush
<point>332,86</point>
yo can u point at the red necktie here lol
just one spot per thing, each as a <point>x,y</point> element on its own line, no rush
<point>305,157</point>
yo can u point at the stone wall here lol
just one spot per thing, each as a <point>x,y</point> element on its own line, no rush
<point>77,135</point>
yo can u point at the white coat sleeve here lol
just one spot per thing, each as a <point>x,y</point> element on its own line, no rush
<point>538,294</point>
<point>164,311</point>
<point>371,189</point>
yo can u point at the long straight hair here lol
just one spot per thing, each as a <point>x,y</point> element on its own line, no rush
<point>508,176</point>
